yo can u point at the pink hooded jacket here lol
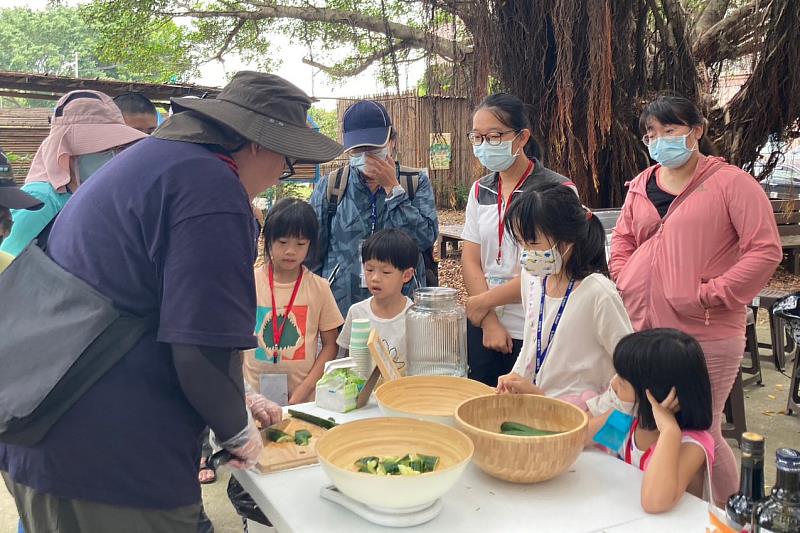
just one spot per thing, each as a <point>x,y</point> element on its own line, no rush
<point>697,268</point>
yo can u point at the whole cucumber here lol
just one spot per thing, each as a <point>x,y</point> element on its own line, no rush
<point>521,430</point>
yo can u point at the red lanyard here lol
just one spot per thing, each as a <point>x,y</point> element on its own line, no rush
<point>230,162</point>
<point>629,448</point>
<point>501,215</point>
<point>277,332</point>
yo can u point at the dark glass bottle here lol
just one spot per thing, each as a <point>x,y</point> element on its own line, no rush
<point>780,513</point>
<point>739,508</point>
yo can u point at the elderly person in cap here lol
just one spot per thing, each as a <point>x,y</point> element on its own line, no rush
<point>166,227</point>
<point>10,198</point>
<point>86,131</point>
<point>372,193</point>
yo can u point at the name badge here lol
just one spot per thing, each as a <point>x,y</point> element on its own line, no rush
<point>275,387</point>
<point>362,276</point>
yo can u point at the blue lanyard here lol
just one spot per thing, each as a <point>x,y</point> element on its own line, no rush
<point>373,215</point>
<point>542,354</point>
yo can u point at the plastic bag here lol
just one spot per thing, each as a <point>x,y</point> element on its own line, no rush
<point>338,388</point>
<point>244,504</point>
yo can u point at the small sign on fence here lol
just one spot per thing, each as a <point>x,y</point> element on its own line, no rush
<point>441,151</point>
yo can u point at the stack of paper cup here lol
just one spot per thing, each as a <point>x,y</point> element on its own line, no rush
<point>359,334</point>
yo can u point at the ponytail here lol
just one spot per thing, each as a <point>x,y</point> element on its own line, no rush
<point>553,209</point>
<point>589,253</point>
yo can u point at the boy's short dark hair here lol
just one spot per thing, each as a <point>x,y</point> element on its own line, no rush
<point>135,104</point>
<point>659,359</point>
<point>392,246</point>
<point>291,217</point>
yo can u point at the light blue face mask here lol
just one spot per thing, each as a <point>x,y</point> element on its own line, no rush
<point>359,160</point>
<point>670,152</point>
<point>496,158</point>
<point>88,164</point>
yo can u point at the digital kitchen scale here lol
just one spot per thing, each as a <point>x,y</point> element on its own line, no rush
<point>383,516</point>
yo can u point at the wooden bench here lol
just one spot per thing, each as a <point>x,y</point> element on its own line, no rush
<point>449,236</point>
<point>787,217</point>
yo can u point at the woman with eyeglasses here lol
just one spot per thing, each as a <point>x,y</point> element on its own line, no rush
<point>501,140</point>
<point>695,243</point>
<point>86,131</point>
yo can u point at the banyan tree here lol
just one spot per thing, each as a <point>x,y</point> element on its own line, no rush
<point>585,67</point>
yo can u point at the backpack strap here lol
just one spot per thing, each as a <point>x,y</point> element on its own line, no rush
<point>337,183</point>
<point>409,179</point>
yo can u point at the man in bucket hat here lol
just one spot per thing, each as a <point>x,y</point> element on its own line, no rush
<point>166,227</point>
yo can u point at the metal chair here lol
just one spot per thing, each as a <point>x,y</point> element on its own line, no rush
<point>735,418</point>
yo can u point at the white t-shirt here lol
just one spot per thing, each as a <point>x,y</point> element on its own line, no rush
<point>392,330</point>
<point>581,358</point>
<point>481,227</point>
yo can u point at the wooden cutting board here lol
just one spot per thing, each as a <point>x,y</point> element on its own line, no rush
<point>282,456</point>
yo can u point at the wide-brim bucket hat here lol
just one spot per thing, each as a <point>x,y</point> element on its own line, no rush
<point>269,111</point>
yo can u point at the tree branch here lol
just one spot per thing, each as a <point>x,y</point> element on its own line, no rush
<point>720,40</point>
<point>229,39</point>
<point>713,12</point>
<point>414,37</point>
<point>661,24</point>
<point>363,63</point>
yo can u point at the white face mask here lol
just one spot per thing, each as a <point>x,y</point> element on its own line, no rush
<point>359,160</point>
<point>542,263</point>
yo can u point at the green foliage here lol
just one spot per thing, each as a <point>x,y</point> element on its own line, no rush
<point>327,120</point>
<point>213,37</point>
<point>286,189</point>
<point>47,41</point>
<point>459,197</point>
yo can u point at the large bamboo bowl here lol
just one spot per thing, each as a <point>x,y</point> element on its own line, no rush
<point>522,459</point>
<point>341,446</point>
<point>432,398</point>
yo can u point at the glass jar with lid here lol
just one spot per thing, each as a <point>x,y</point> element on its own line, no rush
<point>436,333</point>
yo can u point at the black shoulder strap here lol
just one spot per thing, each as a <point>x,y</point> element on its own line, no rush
<point>337,183</point>
<point>44,235</point>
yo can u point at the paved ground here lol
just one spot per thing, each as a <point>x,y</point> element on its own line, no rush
<point>764,406</point>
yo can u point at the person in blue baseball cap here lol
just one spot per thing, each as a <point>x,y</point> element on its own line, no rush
<point>370,193</point>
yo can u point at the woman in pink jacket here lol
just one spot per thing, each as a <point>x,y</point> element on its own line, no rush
<point>695,243</point>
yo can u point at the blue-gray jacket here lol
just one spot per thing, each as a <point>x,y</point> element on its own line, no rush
<point>351,225</point>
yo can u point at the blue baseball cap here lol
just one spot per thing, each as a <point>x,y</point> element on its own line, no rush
<point>366,123</point>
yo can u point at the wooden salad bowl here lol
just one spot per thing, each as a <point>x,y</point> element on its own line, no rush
<point>343,445</point>
<point>432,398</point>
<point>523,459</point>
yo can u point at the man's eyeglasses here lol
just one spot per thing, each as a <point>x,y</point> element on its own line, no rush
<point>494,138</point>
<point>289,170</point>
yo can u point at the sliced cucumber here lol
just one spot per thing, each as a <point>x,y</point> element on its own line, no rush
<point>276,435</point>
<point>301,437</point>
